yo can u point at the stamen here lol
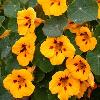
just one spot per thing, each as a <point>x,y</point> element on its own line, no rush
<point>25,85</point>
<point>51,47</point>
<point>26,24</point>
<point>23,48</point>
<point>55,41</point>
<point>70,84</point>
<point>14,81</point>
<point>83,39</point>
<point>20,86</point>
<point>26,17</point>
<point>65,88</point>
<point>52,3</point>
<point>83,71</point>
<point>56,53</point>
<point>77,70</point>
<point>59,3</point>
<point>19,76</point>
<point>64,49</point>
<point>76,64</point>
<point>59,84</point>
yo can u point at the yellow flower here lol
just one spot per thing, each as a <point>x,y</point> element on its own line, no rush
<point>90,80</point>
<point>84,39</point>
<point>64,84</point>
<point>99,9</point>
<point>25,48</point>
<point>73,27</point>
<point>53,7</point>
<point>83,87</point>
<point>56,49</point>
<point>19,83</point>
<point>79,67</point>
<point>25,21</point>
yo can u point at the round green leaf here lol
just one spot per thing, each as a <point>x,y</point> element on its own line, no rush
<point>94,61</point>
<point>83,10</point>
<point>94,56</point>
<point>39,75</point>
<point>43,94</point>
<point>12,25</point>
<point>11,10</point>
<point>53,27</point>
<point>32,3</point>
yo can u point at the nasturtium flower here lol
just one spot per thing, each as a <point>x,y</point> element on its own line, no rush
<point>90,80</point>
<point>84,39</point>
<point>24,49</point>
<point>64,85</point>
<point>53,7</point>
<point>25,21</point>
<point>99,9</point>
<point>19,84</point>
<point>73,27</point>
<point>83,87</point>
<point>57,48</point>
<point>79,67</point>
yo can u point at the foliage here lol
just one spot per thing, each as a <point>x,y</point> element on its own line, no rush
<point>79,11</point>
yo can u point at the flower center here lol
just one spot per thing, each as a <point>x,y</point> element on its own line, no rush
<point>58,45</point>
<point>85,37</point>
<point>28,23</point>
<point>23,48</point>
<point>80,65</point>
<point>64,82</point>
<point>21,81</point>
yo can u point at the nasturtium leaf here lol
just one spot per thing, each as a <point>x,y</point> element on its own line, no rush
<point>5,52</point>
<point>2,18</point>
<point>24,1</point>
<point>97,78</point>
<point>10,10</point>
<point>94,61</point>
<point>54,26</point>
<point>39,75</point>
<point>4,44</point>
<point>32,3</point>
<point>2,90</point>
<point>12,25</point>
<point>42,62</point>
<point>13,37</point>
<point>81,11</point>
<point>6,96</point>
<point>11,63</point>
<point>94,56</point>
<point>43,94</point>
